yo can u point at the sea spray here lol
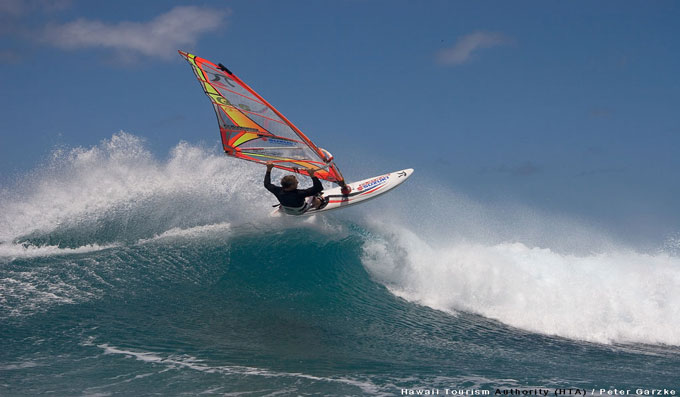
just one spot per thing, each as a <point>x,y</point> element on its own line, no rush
<point>117,191</point>
<point>614,296</point>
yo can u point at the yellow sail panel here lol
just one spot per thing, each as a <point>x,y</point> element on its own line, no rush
<point>241,120</point>
<point>245,137</point>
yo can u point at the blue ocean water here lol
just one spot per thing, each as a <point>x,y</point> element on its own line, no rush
<point>123,274</point>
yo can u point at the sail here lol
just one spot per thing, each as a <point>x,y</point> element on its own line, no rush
<point>252,129</point>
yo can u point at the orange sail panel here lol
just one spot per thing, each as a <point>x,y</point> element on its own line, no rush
<point>252,129</point>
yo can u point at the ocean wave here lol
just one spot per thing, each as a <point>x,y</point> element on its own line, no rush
<point>613,296</point>
<point>118,192</point>
<point>538,272</point>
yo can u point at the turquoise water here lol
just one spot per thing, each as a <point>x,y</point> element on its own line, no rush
<point>126,275</point>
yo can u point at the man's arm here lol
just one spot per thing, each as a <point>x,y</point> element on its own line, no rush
<point>268,179</point>
<point>317,187</point>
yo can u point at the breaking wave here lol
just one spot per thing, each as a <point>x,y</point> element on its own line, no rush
<point>65,227</point>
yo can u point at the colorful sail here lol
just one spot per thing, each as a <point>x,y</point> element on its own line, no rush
<point>254,130</point>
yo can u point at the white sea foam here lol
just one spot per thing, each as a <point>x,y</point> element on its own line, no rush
<point>13,251</point>
<point>29,292</point>
<point>18,366</point>
<point>185,361</point>
<point>601,293</point>
<point>191,232</point>
<point>121,182</point>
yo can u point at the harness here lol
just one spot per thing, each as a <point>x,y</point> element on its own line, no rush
<point>295,211</point>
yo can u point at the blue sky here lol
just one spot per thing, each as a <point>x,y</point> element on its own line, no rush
<point>572,107</point>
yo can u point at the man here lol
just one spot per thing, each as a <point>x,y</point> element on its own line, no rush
<point>294,201</point>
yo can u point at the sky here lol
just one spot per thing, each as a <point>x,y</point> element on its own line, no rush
<point>567,107</point>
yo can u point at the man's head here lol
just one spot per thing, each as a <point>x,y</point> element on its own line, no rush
<point>289,182</point>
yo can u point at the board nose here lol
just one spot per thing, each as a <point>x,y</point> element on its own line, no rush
<point>408,171</point>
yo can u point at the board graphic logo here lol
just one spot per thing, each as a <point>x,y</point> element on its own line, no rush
<point>373,183</point>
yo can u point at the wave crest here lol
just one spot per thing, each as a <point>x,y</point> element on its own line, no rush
<point>617,296</point>
<point>118,192</point>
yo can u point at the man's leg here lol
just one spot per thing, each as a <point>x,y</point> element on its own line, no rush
<point>316,202</point>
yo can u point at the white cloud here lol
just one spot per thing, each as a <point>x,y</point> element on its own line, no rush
<point>464,48</point>
<point>159,37</point>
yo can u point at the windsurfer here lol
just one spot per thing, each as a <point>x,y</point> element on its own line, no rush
<point>293,200</point>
